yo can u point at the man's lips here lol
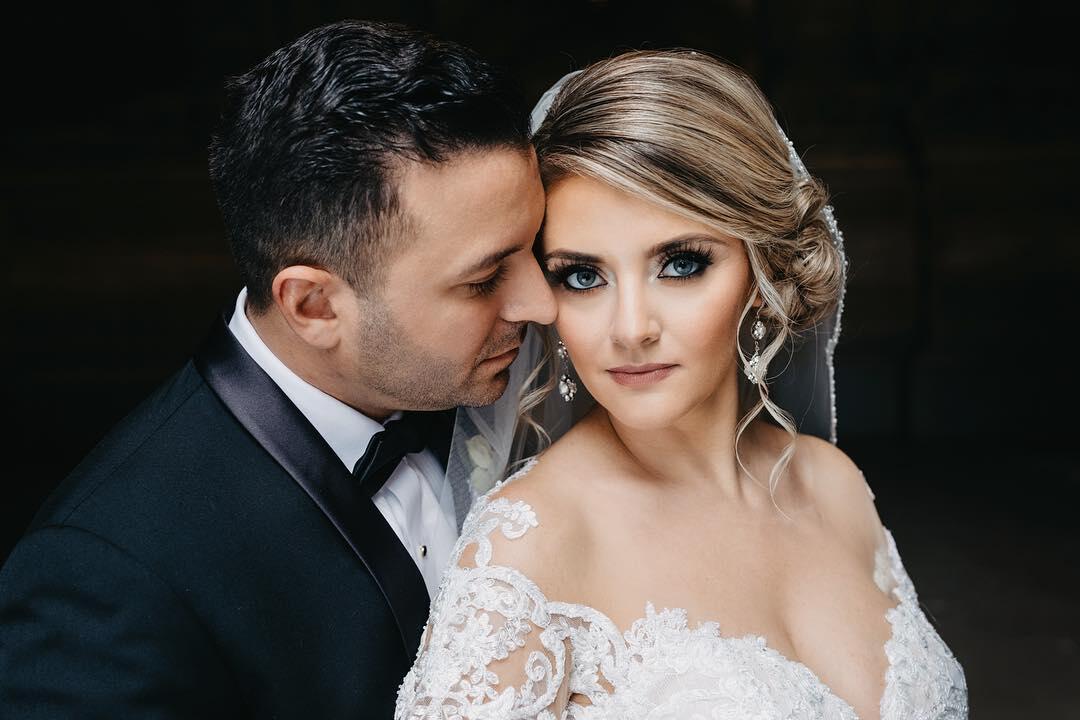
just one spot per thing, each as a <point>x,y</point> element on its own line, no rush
<point>512,351</point>
<point>641,374</point>
<point>505,355</point>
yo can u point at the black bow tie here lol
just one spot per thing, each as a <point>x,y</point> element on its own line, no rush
<point>410,433</point>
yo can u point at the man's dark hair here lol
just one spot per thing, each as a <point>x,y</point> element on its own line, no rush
<point>303,163</point>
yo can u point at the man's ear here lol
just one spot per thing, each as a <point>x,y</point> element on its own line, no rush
<point>310,300</point>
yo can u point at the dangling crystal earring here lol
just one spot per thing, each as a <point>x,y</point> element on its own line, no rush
<point>755,372</point>
<point>567,387</point>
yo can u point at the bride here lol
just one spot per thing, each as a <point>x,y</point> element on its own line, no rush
<point>684,550</point>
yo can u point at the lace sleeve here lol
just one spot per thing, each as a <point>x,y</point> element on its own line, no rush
<point>490,648</point>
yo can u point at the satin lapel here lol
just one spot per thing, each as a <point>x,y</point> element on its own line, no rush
<point>279,427</point>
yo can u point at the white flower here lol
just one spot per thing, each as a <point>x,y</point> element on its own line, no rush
<point>482,456</point>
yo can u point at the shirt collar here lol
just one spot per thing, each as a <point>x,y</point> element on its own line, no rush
<point>345,429</point>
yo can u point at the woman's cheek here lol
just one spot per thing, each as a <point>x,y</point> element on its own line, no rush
<point>579,332</point>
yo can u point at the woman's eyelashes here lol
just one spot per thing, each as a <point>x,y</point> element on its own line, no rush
<point>679,264</point>
<point>684,264</point>
<point>577,278</point>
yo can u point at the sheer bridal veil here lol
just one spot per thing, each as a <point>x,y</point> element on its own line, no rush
<point>487,442</point>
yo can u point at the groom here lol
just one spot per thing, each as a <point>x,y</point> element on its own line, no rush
<point>260,538</point>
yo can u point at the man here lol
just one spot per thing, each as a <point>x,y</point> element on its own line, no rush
<point>260,538</point>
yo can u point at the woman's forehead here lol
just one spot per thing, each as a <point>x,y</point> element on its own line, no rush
<point>587,215</point>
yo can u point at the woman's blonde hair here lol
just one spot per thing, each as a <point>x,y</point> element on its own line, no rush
<point>695,136</point>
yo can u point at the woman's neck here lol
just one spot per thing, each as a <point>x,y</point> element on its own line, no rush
<point>698,448</point>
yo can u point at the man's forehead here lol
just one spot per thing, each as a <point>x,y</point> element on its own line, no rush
<point>466,177</point>
<point>472,206</point>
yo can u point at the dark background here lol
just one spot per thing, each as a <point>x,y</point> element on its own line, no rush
<point>945,132</point>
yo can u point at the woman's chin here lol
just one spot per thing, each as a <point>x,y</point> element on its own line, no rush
<point>647,415</point>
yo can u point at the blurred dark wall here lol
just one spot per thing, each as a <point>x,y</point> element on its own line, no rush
<point>945,132</point>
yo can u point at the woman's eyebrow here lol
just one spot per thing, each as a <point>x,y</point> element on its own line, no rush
<point>570,255</point>
<point>681,240</point>
<point>658,249</point>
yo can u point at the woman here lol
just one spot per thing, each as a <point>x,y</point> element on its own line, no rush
<point>674,554</point>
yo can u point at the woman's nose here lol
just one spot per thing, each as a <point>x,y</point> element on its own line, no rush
<point>633,325</point>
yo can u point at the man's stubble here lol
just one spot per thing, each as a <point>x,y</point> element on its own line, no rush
<point>417,378</point>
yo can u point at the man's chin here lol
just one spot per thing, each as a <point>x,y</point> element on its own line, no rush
<point>487,391</point>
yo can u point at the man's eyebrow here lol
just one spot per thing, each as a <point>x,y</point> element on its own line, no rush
<point>492,258</point>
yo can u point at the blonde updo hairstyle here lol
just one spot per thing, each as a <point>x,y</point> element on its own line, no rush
<point>696,136</point>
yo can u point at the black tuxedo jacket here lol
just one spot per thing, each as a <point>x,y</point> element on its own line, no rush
<point>211,558</point>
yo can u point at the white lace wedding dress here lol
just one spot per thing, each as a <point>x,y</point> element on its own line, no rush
<point>496,648</point>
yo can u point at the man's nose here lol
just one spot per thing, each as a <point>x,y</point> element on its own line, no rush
<point>529,297</point>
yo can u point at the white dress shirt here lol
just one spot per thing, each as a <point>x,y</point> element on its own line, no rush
<point>417,500</point>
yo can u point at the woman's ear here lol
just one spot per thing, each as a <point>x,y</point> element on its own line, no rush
<point>307,297</point>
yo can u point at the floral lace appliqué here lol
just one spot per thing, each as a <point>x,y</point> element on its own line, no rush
<point>496,647</point>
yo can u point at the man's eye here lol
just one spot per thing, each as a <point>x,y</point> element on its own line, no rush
<point>489,286</point>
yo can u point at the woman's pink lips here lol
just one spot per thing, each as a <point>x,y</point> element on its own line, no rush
<point>640,374</point>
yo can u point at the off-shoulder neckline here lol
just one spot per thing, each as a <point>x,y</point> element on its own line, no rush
<point>903,592</point>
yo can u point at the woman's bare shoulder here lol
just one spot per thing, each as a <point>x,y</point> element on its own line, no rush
<point>561,473</point>
<point>839,489</point>
<point>548,497</point>
<point>821,476</point>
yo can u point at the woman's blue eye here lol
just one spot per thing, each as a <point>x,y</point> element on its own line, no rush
<point>583,279</point>
<point>682,266</point>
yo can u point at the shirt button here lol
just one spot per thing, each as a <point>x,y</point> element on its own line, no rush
<point>423,550</point>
